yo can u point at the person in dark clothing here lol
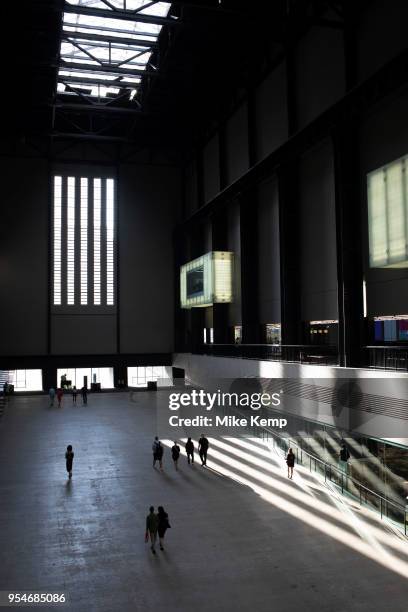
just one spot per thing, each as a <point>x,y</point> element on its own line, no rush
<point>74,394</point>
<point>152,521</point>
<point>158,455</point>
<point>60,395</point>
<point>344,456</point>
<point>190,450</point>
<point>175,453</point>
<point>290,461</point>
<point>163,524</point>
<point>203,445</point>
<point>84,394</point>
<point>69,457</point>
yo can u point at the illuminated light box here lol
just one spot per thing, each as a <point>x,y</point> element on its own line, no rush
<point>207,280</point>
<point>387,192</point>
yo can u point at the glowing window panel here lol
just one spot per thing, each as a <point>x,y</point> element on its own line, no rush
<point>387,192</point>
<point>97,242</point>
<point>71,241</point>
<point>57,239</point>
<point>84,241</point>
<point>110,242</point>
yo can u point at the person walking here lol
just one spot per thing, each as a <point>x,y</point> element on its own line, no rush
<point>344,457</point>
<point>84,394</point>
<point>163,524</point>
<point>175,453</point>
<point>155,446</point>
<point>158,455</point>
<point>203,445</point>
<point>74,394</point>
<point>190,450</point>
<point>152,522</point>
<point>51,393</point>
<point>290,462</point>
<point>69,458</point>
<point>60,394</point>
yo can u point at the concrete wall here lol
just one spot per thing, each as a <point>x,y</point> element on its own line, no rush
<point>190,186</point>
<point>149,202</point>
<point>211,169</point>
<point>271,112</point>
<point>268,252</point>
<point>236,134</point>
<point>234,245</point>
<point>381,34</point>
<point>318,235</point>
<point>24,256</point>
<point>319,72</point>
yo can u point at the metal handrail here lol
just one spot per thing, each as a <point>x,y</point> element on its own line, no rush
<point>330,467</point>
<point>398,347</point>
<point>238,344</point>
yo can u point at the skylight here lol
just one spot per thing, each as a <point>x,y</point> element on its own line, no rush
<point>106,46</point>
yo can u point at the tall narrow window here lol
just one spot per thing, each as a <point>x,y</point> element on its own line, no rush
<point>57,239</point>
<point>84,241</point>
<point>97,242</point>
<point>109,242</point>
<point>71,241</point>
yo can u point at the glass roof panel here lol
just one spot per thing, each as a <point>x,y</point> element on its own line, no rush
<point>103,59</point>
<point>117,24</point>
<point>159,9</point>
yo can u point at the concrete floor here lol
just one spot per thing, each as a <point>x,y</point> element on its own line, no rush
<point>243,537</point>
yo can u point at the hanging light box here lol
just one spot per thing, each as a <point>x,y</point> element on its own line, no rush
<point>207,280</point>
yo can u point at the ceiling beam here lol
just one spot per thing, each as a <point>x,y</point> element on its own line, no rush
<point>95,81</point>
<point>109,69</point>
<point>109,30</point>
<point>91,11</point>
<point>88,136</point>
<point>116,42</point>
<point>105,108</point>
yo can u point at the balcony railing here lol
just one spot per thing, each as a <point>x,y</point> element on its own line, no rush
<point>387,508</point>
<point>298,353</point>
<point>388,357</point>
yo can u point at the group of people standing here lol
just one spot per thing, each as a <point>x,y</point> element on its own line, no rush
<point>158,451</point>
<point>60,394</point>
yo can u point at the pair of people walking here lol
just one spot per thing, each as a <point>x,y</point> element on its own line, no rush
<point>158,452</point>
<point>156,524</point>
<point>203,445</point>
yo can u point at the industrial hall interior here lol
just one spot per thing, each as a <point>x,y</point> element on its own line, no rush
<point>204,306</point>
